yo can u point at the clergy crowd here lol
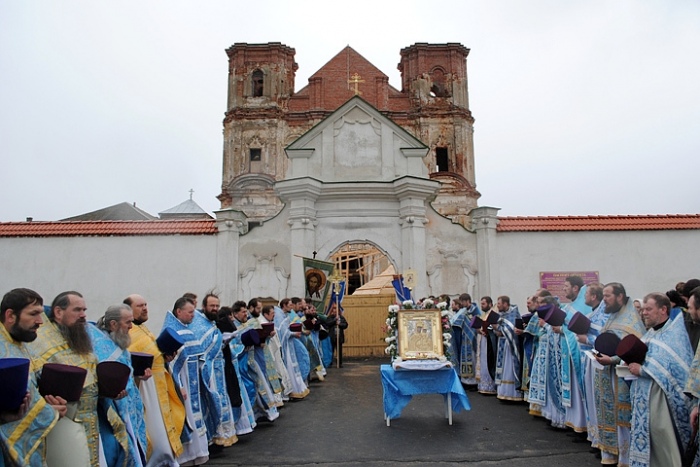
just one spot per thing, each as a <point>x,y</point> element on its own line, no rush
<point>112,393</point>
<point>620,373</point>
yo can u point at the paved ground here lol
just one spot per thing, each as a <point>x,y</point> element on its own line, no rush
<point>341,424</point>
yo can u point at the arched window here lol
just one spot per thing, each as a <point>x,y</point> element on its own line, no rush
<point>258,78</point>
<point>439,87</point>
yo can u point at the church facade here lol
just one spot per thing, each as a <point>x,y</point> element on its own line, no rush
<point>349,159</point>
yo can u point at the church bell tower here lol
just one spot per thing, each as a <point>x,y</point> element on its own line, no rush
<point>260,83</point>
<point>434,76</point>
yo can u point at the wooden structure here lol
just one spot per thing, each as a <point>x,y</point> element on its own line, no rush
<point>366,315</point>
<point>359,263</point>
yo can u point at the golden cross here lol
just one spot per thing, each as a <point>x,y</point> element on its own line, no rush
<point>335,278</point>
<point>355,79</point>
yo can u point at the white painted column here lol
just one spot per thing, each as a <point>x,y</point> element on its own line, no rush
<point>484,222</point>
<point>300,195</point>
<point>414,194</point>
<point>231,224</point>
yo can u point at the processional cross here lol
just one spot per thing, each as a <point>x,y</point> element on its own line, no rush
<point>356,80</point>
<point>335,279</point>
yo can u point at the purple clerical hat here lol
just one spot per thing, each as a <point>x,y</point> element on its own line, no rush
<point>295,327</point>
<point>64,381</point>
<point>579,323</point>
<point>542,310</point>
<point>555,316</point>
<point>631,349</point>
<point>14,374</point>
<point>112,378</point>
<point>309,324</point>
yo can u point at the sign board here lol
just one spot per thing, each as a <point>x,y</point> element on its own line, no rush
<point>554,281</point>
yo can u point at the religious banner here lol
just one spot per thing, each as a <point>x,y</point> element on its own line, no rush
<point>316,275</point>
<point>337,294</point>
<point>554,281</point>
<point>403,293</point>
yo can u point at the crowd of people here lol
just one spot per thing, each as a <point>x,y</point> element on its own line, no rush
<point>620,373</point>
<point>112,393</point>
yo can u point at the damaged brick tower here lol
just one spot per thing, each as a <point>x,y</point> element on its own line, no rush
<point>264,115</point>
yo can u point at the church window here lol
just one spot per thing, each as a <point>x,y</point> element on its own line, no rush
<point>255,154</point>
<point>441,160</point>
<point>439,88</point>
<point>258,83</point>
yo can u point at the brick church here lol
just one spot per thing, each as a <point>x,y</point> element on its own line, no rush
<point>264,115</point>
<point>350,160</point>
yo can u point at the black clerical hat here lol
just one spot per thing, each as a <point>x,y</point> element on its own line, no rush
<point>64,381</point>
<point>141,361</point>
<point>14,374</point>
<point>631,349</point>
<point>579,323</point>
<point>250,338</point>
<point>112,378</point>
<point>169,341</point>
<point>607,343</point>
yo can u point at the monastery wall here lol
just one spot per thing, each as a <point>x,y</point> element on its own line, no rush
<point>643,261</point>
<point>107,269</point>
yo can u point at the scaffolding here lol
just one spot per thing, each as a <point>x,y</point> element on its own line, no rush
<point>359,263</point>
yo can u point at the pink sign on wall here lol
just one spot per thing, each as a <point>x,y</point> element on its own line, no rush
<point>554,281</point>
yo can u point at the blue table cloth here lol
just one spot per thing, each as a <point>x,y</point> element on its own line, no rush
<point>400,386</point>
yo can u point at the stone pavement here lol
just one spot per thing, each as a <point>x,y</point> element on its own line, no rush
<point>341,424</point>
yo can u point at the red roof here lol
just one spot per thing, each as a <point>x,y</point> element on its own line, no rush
<point>592,223</point>
<point>107,228</point>
<point>208,227</point>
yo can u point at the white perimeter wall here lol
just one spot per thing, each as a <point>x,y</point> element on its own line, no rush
<point>643,261</point>
<point>161,268</point>
<point>107,269</point>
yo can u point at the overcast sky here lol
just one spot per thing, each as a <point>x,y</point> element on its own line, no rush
<point>581,107</point>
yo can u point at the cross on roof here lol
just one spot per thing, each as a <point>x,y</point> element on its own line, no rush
<point>356,80</point>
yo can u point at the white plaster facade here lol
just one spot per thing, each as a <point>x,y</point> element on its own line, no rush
<point>355,177</point>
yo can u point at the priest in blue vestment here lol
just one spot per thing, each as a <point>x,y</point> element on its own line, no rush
<point>508,366</point>
<point>110,340</point>
<point>216,405</point>
<point>186,368</point>
<point>660,409</point>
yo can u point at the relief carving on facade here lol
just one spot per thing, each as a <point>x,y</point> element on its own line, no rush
<point>454,273</point>
<point>264,278</point>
